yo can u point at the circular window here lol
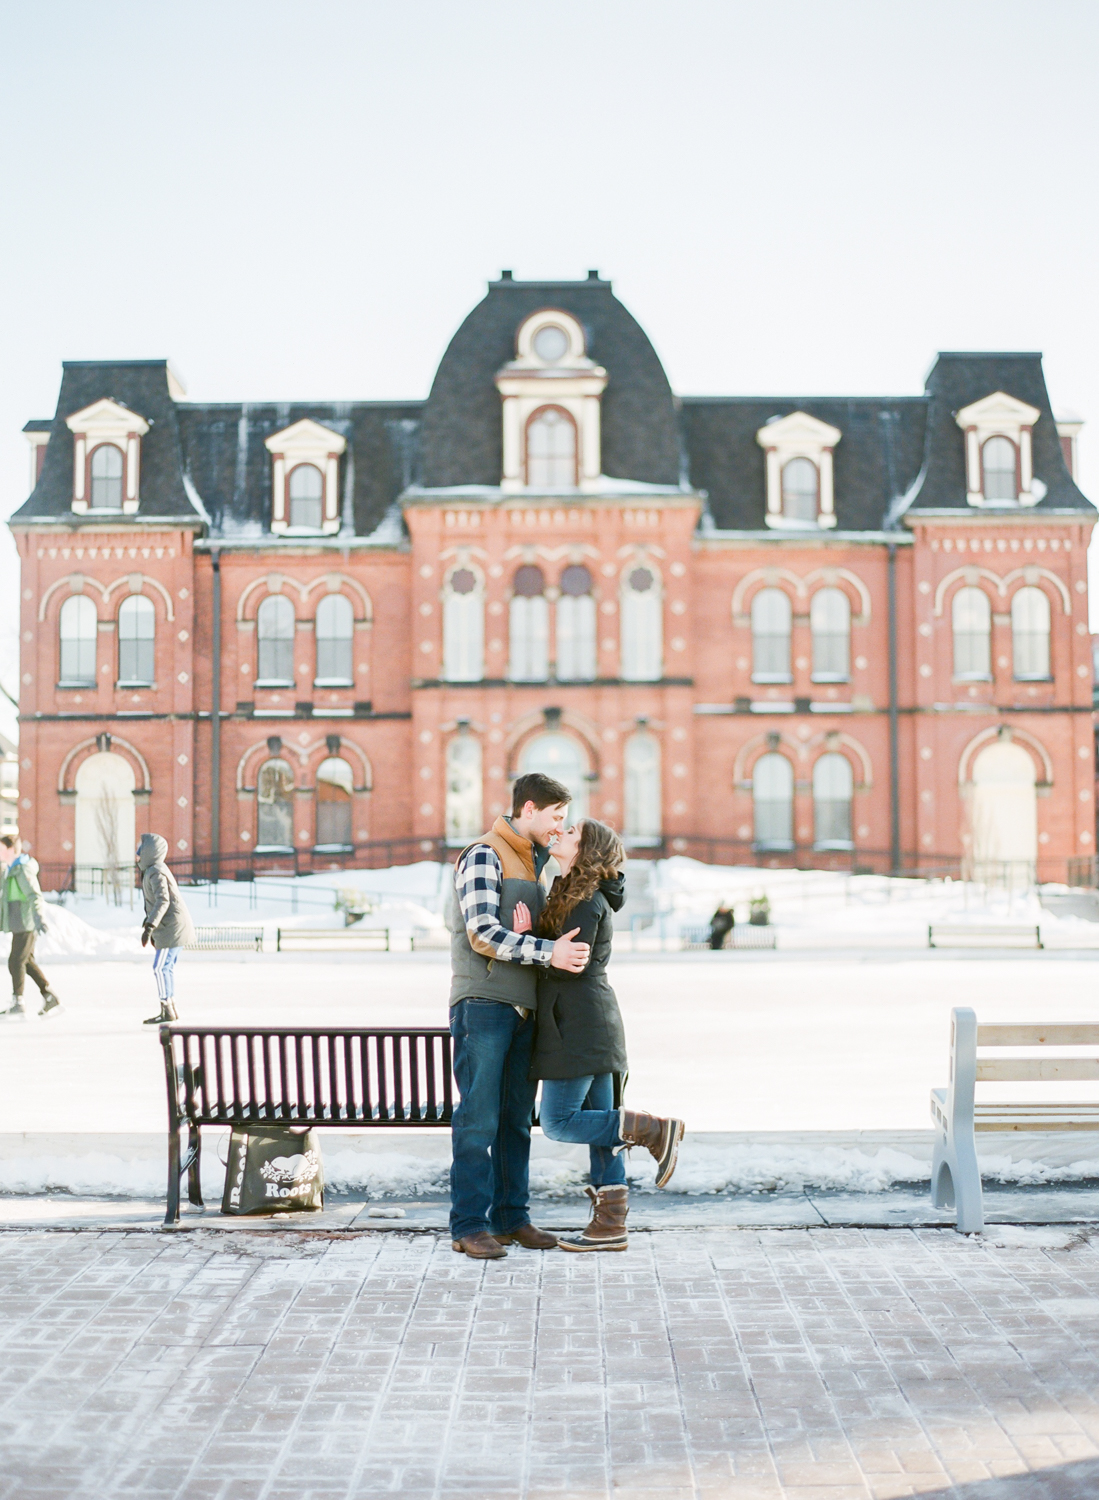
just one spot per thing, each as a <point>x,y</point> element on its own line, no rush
<point>462,581</point>
<point>551,343</point>
<point>641,580</point>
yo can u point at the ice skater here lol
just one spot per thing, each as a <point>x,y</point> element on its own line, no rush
<point>167,922</point>
<point>580,1041</point>
<point>23,914</point>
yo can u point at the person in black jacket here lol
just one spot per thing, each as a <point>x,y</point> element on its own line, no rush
<point>580,1043</point>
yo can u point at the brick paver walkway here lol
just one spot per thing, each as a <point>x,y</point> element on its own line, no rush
<point>732,1365</point>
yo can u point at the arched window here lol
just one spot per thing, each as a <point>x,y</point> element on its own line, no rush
<point>335,631</point>
<point>136,641</point>
<point>306,490</point>
<point>528,626</point>
<point>771,636</point>
<point>972,621</point>
<point>998,467</point>
<point>1030,635</point>
<point>833,785</point>
<point>643,797</point>
<point>830,623</point>
<point>464,819</point>
<point>773,802</point>
<point>275,806</point>
<point>335,784</point>
<point>78,624</point>
<point>642,645</point>
<point>800,490</point>
<point>576,661</point>
<point>560,756</point>
<point>463,628</point>
<point>551,450</point>
<point>275,635</point>
<point>107,477</point>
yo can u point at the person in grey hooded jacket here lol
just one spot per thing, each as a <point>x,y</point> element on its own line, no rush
<point>167,921</point>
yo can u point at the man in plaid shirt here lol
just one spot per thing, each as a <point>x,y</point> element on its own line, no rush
<point>492,1003</point>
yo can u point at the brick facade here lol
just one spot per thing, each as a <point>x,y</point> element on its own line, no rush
<point>707,538</point>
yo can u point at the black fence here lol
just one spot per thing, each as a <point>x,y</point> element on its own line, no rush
<point>380,854</point>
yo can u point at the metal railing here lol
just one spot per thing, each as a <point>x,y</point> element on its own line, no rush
<point>118,881</point>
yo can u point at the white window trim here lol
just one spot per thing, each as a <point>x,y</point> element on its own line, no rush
<point>574,382</point>
<point>799,436</point>
<point>306,442</point>
<point>106,421</point>
<point>999,415</point>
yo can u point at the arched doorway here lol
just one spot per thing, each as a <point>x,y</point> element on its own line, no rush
<point>560,756</point>
<point>1004,816</point>
<point>106,834</point>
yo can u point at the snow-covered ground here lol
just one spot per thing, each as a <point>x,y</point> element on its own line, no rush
<point>809,908</point>
<point>842,1030</point>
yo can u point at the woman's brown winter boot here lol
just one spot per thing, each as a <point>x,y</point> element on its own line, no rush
<point>607,1227</point>
<point>659,1137</point>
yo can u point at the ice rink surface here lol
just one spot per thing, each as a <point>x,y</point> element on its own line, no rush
<point>731,1042</point>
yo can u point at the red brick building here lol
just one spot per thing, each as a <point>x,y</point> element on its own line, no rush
<point>815,629</point>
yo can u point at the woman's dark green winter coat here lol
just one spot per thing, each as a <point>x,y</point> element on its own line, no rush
<point>579,1024</point>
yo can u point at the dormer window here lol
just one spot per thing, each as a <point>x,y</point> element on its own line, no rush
<point>800,490</point>
<point>551,395</point>
<point>551,447</point>
<point>106,457</point>
<point>305,478</point>
<point>998,452</point>
<point>999,459</point>
<point>107,465</point>
<point>306,492</point>
<point>799,471</point>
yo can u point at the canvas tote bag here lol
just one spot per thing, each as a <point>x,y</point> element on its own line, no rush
<point>276,1170</point>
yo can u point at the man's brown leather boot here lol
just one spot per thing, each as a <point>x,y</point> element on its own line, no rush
<point>659,1137</point>
<point>479,1246</point>
<point>529,1237</point>
<point>607,1228</point>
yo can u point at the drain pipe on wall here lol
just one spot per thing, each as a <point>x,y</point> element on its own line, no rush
<point>894,755</point>
<point>215,722</point>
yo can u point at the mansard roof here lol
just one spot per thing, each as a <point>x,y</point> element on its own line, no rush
<point>877,457</point>
<point>230,467</point>
<point>462,424</point>
<point>207,463</point>
<point>957,381</point>
<point>141,385</point>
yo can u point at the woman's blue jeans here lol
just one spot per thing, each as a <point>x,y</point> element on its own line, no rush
<point>581,1110</point>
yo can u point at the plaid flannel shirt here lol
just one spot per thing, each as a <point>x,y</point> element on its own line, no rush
<point>479,879</point>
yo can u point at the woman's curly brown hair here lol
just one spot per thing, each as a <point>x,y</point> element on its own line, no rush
<point>600,856</point>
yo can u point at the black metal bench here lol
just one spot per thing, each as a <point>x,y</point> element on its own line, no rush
<point>330,1076</point>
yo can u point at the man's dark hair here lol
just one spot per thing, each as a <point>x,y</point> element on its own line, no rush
<point>542,790</point>
<point>8,840</point>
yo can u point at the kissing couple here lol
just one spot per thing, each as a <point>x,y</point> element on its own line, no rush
<point>530,1001</point>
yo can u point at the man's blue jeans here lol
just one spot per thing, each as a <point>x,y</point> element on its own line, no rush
<point>582,1110</point>
<point>490,1172</point>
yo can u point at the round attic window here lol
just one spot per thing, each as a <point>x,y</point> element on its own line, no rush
<point>551,343</point>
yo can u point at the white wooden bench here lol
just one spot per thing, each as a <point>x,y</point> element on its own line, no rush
<point>332,939</point>
<point>982,935</point>
<point>742,936</point>
<point>955,1176</point>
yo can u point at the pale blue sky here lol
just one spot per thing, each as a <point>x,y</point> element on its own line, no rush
<point>296,201</point>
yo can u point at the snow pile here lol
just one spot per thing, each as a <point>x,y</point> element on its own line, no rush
<point>69,936</point>
<point>827,908</point>
<point>729,1169</point>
